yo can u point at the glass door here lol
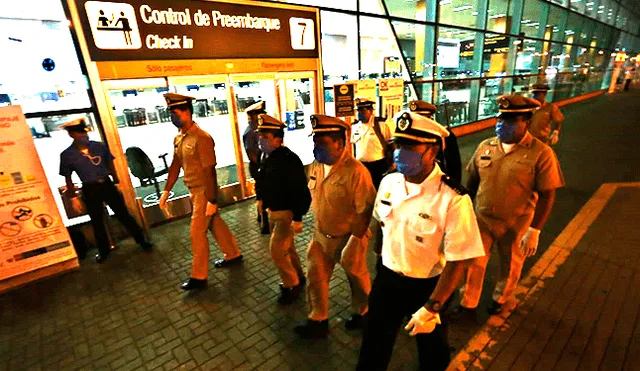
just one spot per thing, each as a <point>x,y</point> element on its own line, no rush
<point>247,90</point>
<point>297,103</point>
<point>146,134</point>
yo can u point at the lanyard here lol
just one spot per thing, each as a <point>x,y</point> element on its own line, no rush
<point>95,160</point>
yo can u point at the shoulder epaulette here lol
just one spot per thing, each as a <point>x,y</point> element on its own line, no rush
<point>455,185</point>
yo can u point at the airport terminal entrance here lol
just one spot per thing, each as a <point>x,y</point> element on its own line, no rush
<point>129,84</point>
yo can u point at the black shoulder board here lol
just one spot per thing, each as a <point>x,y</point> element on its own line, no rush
<point>391,171</point>
<point>455,185</point>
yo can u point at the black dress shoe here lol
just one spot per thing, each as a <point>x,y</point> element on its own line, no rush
<point>265,229</point>
<point>100,257</point>
<point>313,329</point>
<point>461,314</point>
<point>221,263</point>
<point>193,284</point>
<point>289,294</point>
<point>495,308</point>
<point>147,245</point>
<point>355,322</point>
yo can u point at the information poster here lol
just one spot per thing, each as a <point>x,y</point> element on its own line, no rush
<point>343,100</point>
<point>365,89</point>
<point>392,98</point>
<point>32,234</point>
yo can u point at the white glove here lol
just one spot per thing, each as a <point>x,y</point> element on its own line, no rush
<point>163,200</point>
<point>212,209</point>
<point>529,243</point>
<point>297,227</point>
<point>423,322</point>
<point>555,136</point>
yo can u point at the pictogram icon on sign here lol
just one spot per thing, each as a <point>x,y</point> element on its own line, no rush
<point>22,213</point>
<point>113,25</point>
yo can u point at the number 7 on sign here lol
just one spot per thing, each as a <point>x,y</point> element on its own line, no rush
<point>300,38</point>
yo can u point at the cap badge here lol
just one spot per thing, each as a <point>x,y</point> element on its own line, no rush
<point>404,122</point>
<point>314,122</point>
<point>413,106</point>
<point>504,103</point>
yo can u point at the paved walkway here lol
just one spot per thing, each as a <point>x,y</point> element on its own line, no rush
<point>129,313</point>
<point>579,306</point>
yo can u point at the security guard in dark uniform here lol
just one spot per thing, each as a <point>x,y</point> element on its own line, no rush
<point>250,141</point>
<point>430,232</point>
<point>286,197</point>
<point>93,163</point>
<point>449,155</point>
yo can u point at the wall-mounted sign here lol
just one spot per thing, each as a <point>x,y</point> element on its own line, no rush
<point>496,44</point>
<point>169,29</point>
<point>32,234</point>
<point>344,100</point>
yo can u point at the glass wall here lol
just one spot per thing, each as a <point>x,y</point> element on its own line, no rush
<point>40,71</point>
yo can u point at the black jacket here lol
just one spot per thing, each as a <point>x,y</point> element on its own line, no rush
<point>282,183</point>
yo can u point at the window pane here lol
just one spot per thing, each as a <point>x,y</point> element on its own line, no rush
<point>455,53</point>
<point>611,13</point>
<point>601,10</point>
<point>339,47</point>
<point>555,23</point>
<point>591,8</point>
<point>459,12</point>
<point>453,98</point>
<point>497,20</point>
<point>374,6</point>
<point>50,141</point>
<point>577,5</point>
<point>532,13</point>
<point>490,89</point>
<point>379,52</point>
<point>496,50</point>
<point>418,10</point>
<point>573,28</point>
<point>43,73</point>
<point>531,57</point>
<point>335,4</point>
<point>560,2</point>
<point>416,44</point>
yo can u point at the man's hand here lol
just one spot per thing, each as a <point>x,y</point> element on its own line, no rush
<point>212,209</point>
<point>422,322</point>
<point>164,196</point>
<point>554,138</point>
<point>529,242</point>
<point>297,227</point>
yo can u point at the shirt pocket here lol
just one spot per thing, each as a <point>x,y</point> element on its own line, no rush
<point>523,172</point>
<point>424,231</point>
<point>189,149</point>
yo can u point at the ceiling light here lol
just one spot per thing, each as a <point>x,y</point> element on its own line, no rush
<point>497,16</point>
<point>445,2</point>
<point>474,13</point>
<point>461,8</point>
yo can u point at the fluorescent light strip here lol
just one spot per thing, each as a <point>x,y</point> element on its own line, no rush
<point>461,8</point>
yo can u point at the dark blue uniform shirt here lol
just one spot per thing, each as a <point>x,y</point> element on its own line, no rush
<point>89,168</point>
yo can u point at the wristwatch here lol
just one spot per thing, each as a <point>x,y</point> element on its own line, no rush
<point>433,306</point>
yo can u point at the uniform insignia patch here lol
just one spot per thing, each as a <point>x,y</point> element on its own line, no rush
<point>419,239</point>
<point>385,202</point>
<point>424,216</point>
<point>455,185</point>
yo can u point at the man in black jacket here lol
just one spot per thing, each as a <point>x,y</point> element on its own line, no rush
<point>285,195</point>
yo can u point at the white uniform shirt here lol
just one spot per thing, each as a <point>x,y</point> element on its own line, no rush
<point>425,226</point>
<point>368,147</point>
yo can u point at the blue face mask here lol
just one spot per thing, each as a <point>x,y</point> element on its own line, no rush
<point>176,120</point>
<point>265,145</point>
<point>362,118</point>
<point>322,155</point>
<point>409,163</point>
<point>505,132</point>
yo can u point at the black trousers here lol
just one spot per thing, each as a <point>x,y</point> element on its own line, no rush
<point>95,195</point>
<point>393,298</point>
<point>377,170</point>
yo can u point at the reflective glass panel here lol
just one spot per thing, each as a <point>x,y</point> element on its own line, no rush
<point>452,99</point>
<point>379,52</point>
<point>497,16</point>
<point>555,23</point>
<point>455,51</point>
<point>496,50</point>
<point>459,12</point>
<point>531,16</point>
<point>339,34</point>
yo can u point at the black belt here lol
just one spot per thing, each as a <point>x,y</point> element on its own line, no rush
<point>98,181</point>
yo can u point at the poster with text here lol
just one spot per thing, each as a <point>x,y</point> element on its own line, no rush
<point>392,99</point>
<point>32,235</point>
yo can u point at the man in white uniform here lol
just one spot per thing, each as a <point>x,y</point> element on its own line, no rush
<point>370,137</point>
<point>430,232</point>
